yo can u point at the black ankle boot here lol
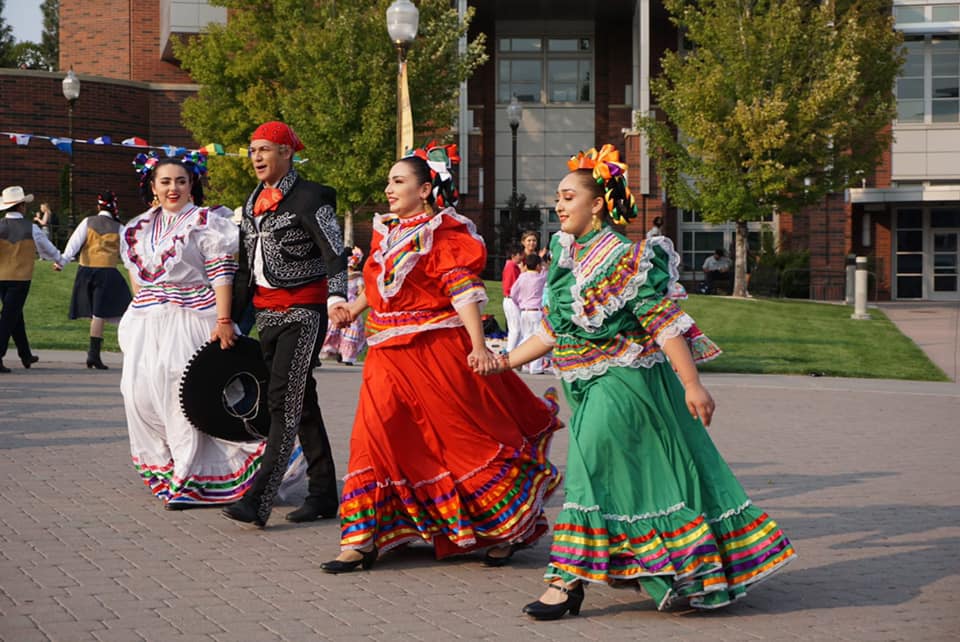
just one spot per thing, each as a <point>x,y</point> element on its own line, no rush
<point>93,354</point>
<point>244,513</point>
<point>313,508</point>
<point>29,360</point>
<point>540,611</point>
<point>3,368</point>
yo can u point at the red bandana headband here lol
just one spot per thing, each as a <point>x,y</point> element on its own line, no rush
<point>279,133</point>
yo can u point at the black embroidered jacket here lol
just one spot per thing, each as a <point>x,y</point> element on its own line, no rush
<point>301,241</point>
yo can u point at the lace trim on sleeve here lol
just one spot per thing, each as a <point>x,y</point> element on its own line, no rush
<point>592,320</point>
<point>401,250</point>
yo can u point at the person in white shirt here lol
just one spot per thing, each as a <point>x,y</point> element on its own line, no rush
<point>20,242</point>
<point>713,266</point>
<point>99,291</point>
<point>657,229</point>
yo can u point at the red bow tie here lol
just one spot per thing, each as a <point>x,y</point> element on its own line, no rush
<point>267,200</point>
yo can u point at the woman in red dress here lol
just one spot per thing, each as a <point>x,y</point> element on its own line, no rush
<point>437,454</point>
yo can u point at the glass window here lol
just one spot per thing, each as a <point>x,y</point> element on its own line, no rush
<point>928,89</point>
<point>520,78</point>
<point>555,70</point>
<point>945,13</point>
<point>945,218</point>
<point>564,44</point>
<point>909,219</point>
<point>909,287</point>
<point>908,14</point>
<point>910,264</point>
<point>568,81</point>
<point>697,246</point>
<point>944,284</point>
<point>521,45</point>
<point>909,241</point>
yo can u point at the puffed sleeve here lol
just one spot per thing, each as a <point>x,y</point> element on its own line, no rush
<point>219,242</point>
<point>457,259</point>
<point>655,303</point>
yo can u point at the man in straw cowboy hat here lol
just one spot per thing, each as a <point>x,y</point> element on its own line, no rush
<point>20,240</point>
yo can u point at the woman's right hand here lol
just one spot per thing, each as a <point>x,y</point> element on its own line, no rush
<point>340,315</point>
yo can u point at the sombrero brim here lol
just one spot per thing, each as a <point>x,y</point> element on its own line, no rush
<point>223,393</point>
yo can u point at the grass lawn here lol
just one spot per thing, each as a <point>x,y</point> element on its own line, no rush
<point>758,336</point>
<point>46,313</point>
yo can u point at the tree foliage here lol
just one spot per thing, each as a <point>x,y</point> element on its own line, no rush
<point>50,38</point>
<point>328,69</point>
<point>777,103</point>
<point>7,42</point>
<point>31,55</point>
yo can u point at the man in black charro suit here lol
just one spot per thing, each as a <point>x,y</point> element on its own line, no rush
<point>293,267</point>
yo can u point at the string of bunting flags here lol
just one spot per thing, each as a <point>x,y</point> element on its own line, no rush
<point>66,145</point>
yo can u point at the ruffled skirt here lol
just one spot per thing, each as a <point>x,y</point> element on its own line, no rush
<point>99,292</point>
<point>649,498</point>
<point>441,455</point>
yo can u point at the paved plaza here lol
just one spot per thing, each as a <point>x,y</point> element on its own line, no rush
<point>861,474</point>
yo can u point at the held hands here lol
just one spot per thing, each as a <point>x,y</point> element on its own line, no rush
<point>700,403</point>
<point>340,315</point>
<point>224,333</point>
<point>484,362</point>
<point>57,267</point>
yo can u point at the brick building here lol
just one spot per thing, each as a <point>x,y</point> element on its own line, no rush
<point>579,85</point>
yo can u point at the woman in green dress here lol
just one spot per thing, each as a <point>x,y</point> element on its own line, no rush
<point>648,497</point>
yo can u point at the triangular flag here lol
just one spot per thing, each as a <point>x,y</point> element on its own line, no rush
<point>214,148</point>
<point>135,142</point>
<point>243,151</point>
<point>20,139</point>
<point>169,150</point>
<point>63,144</point>
<point>100,140</point>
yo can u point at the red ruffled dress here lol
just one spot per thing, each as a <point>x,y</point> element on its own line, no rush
<point>439,453</point>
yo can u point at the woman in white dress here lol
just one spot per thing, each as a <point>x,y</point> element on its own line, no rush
<point>181,261</point>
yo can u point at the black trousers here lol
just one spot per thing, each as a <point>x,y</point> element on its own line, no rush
<point>290,342</point>
<point>13,295</point>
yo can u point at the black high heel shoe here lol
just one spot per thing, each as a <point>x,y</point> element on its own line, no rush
<point>366,562</point>
<point>540,611</point>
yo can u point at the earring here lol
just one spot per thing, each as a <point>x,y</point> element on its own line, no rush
<point>426,207</point>
<point>596,223</point>
<point>156,201</point>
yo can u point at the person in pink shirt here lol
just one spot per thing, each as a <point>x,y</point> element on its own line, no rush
<point>527,293</point>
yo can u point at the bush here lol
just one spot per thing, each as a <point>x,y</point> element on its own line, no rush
<point>789,271</point>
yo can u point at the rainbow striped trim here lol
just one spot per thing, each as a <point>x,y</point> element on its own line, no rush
<point>198,489</point>
<point>676,555</point>
<point>381,326</point>
<point>220,269</point>
<point>194,297</point>
<point>502,501</point>
<point>660,316</point>
<point>463,286</point>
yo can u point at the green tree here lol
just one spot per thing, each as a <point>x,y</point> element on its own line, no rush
<point>50,38</point>
<point>7,43</point>
<point>329,69</point>
<point>28,55</point>
<point>776,104</point>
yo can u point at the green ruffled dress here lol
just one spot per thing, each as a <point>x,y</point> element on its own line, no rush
<point>648,497</point>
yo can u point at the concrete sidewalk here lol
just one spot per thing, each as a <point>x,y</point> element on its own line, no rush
<point>934,326</point>
<point>861,475</point>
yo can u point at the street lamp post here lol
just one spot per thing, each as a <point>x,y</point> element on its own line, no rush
<point>514,115</point>
<point>71,91</point>
<point>403,20</point>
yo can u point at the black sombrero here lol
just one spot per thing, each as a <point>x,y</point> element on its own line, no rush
<point>223,393</point>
